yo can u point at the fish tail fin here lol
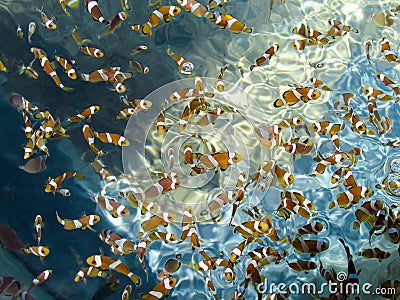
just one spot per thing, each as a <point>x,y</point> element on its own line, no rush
<point>279,103</point>
<point>79,176</point>
<point>252,67</point>
<point>85,77</point>
<point>61,221</point>
<point>247,29</point>
<point>67,89</point>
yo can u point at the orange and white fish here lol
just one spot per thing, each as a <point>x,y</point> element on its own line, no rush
<point>29,148</point>
<point>162,219</point>
<point>82,223</point>
<point>20,32</point>
<point>64,4</point>
<point>49,70</point>
<point>374,253</point>
<point>291,97</point>
<point>194,7</point>
<point>334,159</point>
<point>357,124</point>
<point>107,263</point>
<point>301,145</point>
<point>99,167</point>
<point>93,8</point>
<point>302,265</point>
<point>166,237</point>
<point>312,228</point>
<point>92,51</point>
<point>284,177</point>
<point>54,184</point>
<point>312,247</point>
<point>389,54</point>
<point>266,57</point>
<point>125,5</point>
<point>368,46</point>
<point>301,44</point>
<point>40,251</point>
<point>89,137</point>
<point>161,289</point>
<point>319,84</point>
<point>193,108</point>
<point>367,213</point>
<point>188,93</point>
<point>29,130</point>
<point>138,67</point>
<point>68,68</point>
<point>85,114</point>
<point>162,128</point>
<point>3,67</point>
<point>111,206</point>
<point>252,228</point>
<point>116,22</point>
<point>378,94</point>
<point>347,175</point>
<point>184,66</point>
<point>77,38</point>
<point>89,272</point>
<point>382,124</point>
<point>42,277</point>
<point>138,49</point>
<point>123,245</point>
<point>221,160</point>
<point>126,294</point>
<point>228,21</point>
<point>295,203</point>
<point>141,105</point>
<point>220,85</point>
<point>10,287</point>
<point>388,82</point>
<point>162,13</point>
<point>326,127</point>
<point>112,138</point>
<point>105,74</point>
<point>38,226</point>
<point>31,30</point>
<point>48,23</point>
<point>237,252</point>
<point>336,24</point>
<point>350,197</point>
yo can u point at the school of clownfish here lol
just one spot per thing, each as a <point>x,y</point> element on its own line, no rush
<point>41,127</point>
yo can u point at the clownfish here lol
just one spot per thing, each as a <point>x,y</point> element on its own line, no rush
<point>93,8</point>
<point>378,94</point>
<point>393,144</point>
<point>228,21</point>
<point>82,223</point>
<point>302,265</point>
<point>367,213</point>
<point>85,114</point>
<point>382,124</point>
<point>184,66</point>
<point>187,93</point>
<point>338,25</point>
<point>266,57</point>
<point>291,97</point>
<point>77,38</point>
<point>28,70</point>
<point>49,70</point>
<point>54,184</point>
<point>138,49</point>
<point>29,148</point>
<point>162,13</point>
<point>114,239</point>
<point>294,202</point>
<point>9,287</point>
<point>48,23</point>
<point>367,47</point>
<point>312,228</point>
<point>126,294</point>
<point>350,197</point>
<point>68,68</point>
<point>89,272</point>
<point>92,51</point>
<point>38,226</point>
<point>89,137</point>
<point>29,130</point>
<point>285,178</point>
<point>374,253</point>
<point>40,251</point>
<point>20,32</point>
<point>252,228</point>
<point>300,145</point>
<point>42,277</point>
<point>388,82</point>
<point>389,54</point>
<point>301,44</point>
<point>111,206</point>
<point>116,22</point>
<point>31,30</point>
<point>312,247</point>
<point>221,160</point>
<point>357,124</point>
<point>166,237</point>
<point>161,289</point>
<point>107,263</point>
<point>334,159</point>
<point>105,74</point>
<point>138,67</point>
<point>238,250</point>
<point>112,138</point>
<point>63,5</point>
<point>166,184</point>
<point>194,7</point>
<point>220,85</point>
<point>326,127</point>
<point>162,219</point>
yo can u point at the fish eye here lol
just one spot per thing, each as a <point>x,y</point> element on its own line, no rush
<point>175,10</point>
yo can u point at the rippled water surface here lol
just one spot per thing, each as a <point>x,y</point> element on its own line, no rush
<point>343,66</point>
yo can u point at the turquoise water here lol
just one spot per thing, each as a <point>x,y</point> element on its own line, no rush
<point>345,70</point>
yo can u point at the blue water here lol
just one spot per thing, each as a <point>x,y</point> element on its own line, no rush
<point>346,69</point>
